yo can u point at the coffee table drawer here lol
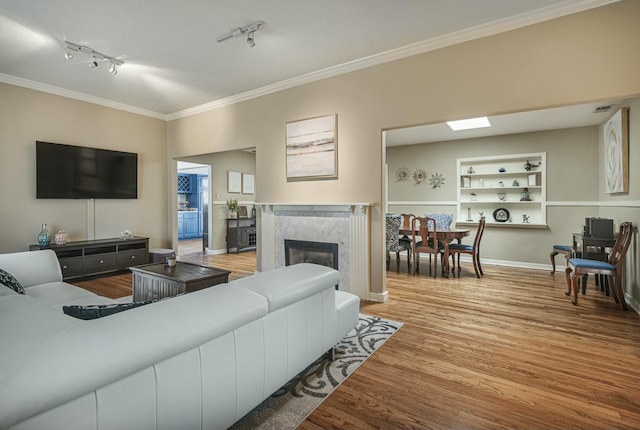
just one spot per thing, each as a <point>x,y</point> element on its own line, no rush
<point>100,262</point>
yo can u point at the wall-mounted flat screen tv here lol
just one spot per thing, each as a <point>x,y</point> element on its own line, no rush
<point>77,172</point>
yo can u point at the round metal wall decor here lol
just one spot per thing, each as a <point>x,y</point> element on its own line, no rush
<point>419,176</point>
<point>436,180</point>
<point>402,174</point>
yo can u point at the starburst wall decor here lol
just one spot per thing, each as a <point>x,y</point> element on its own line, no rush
<point>419,176</point>
<point>436,180</point>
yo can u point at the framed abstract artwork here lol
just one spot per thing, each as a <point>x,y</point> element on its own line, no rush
<point>312,148</point>
<point>616,152</point>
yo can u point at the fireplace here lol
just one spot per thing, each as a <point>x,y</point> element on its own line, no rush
<point>304,251</point>
<point>344,224</point>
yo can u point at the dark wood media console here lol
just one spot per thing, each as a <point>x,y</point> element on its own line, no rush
<point>91,257</point>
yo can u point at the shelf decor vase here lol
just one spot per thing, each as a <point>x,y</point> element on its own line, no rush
<point>44,238</point>
<point>60,238</point>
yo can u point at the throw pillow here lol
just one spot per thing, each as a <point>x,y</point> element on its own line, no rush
<point>90,312</point>
<point>10,281</point>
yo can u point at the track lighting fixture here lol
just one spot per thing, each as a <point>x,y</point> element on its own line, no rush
<point>95,56</point>
<point>249,30</point>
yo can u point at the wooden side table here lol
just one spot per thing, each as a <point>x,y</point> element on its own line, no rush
<point>157,281</point>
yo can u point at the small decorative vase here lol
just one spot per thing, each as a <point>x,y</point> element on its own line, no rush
<point>233,214</point>
<point>60,238</point>
<point>44,238</point>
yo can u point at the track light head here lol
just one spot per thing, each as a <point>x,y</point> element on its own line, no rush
<point>249,30</point>
<point>93,63</point>
<point>68,55</point>
<point>113,69</point>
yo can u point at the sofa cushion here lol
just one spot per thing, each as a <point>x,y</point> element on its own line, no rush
<point>290,284</point>
<point>8,280</point>
<point>61,293</point>
<point>91,312</point>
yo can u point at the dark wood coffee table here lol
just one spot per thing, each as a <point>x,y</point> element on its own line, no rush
<point>157,281</point>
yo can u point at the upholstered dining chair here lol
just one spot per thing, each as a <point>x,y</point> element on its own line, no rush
<point>425,240</point>
<point>565,250</point>
<point>473,250</point>
<point>393,242</point>
<point>578,267</point>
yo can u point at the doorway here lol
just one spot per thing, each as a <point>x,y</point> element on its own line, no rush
<point>193,207</point>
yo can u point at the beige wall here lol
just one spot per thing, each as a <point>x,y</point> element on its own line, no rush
<point>27,116</point>
<point>582,57</point>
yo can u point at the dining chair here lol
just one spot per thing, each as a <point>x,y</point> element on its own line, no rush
<point>473,250</point>
<point>393,242</point>
<point>565,250</point>
<point>577,267</point>
<point>425,240</point>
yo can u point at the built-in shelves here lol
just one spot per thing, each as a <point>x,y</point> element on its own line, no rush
<point>509,190</point>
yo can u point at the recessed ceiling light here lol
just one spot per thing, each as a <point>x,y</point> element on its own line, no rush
<point>467,124</point>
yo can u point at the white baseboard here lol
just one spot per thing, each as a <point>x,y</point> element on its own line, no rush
<point>379,297</point>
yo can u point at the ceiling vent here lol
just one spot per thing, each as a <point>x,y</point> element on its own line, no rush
<point>602,109</point>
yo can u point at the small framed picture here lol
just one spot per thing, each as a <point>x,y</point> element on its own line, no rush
<point>466,182</point>
<point>532,180</point>
<point>242,212</point>
<point>248,183</point>
<point>234,180</point>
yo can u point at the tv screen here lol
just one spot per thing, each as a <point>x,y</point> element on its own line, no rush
<point>76,172</point>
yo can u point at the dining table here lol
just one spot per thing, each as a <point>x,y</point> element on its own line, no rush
<point>445,236</point>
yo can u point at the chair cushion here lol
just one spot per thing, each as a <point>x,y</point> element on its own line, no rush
<point>10,281</point>
<point>581,263</point>
<point>564,248</point>
<point>460,247</point>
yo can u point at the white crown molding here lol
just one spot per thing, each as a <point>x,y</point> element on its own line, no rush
<point>545,14</point>
<point>38,86</point>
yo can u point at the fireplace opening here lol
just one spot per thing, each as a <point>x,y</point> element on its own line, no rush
<point>302,251</point>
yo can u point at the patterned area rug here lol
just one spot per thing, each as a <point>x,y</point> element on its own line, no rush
<point>292,403</point>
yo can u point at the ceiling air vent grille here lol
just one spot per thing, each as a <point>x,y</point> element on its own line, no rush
<point>603,108</point>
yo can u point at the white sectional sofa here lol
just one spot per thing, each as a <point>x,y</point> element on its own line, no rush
<point>197,361</point>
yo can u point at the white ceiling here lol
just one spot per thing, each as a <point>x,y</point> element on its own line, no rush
<point>174,66</point>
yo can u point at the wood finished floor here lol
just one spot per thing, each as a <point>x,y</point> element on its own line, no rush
<point>502,352</point>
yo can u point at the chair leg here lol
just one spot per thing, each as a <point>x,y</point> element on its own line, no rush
<point>479,265</point>
<point>408,260</point>
<point>553,261</point>
<point>475,265</point>
<point>416,263</point>
<point>567,275</point>
<point>617,286</point>
<point>397,261</point>
<point>574,286</point>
